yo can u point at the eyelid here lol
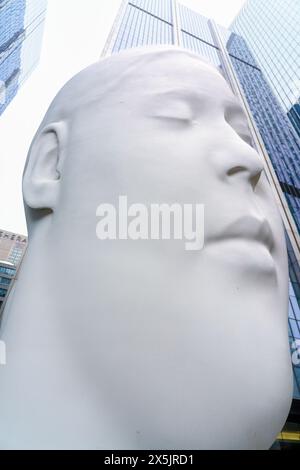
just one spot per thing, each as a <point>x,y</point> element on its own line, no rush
<point>177,110</point>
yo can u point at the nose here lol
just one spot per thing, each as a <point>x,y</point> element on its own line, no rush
<point>245,164</point>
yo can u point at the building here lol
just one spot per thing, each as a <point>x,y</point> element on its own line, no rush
<point>272,30</point>
<point>152,22</point>
<point>12,249</point>
<point>7,276</point>
<point>21,33</point>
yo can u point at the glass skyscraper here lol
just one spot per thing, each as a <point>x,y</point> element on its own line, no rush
<point>21,32</point>
<point>152,22</point>
<point>272,31</point>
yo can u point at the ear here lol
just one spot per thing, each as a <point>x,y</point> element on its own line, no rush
<point>42,175</point>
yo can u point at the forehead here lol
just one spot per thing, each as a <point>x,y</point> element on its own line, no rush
<point>154,77</point>
<point>183,72</point>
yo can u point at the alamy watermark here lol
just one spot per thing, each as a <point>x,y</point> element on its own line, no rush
<point>2,353</point>
<point>152,222</point>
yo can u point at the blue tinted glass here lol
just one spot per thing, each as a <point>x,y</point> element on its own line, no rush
<point>8,271</point>
<point>160,8</point>
<point>297,382</point>
<point>139,28</point>
<point>195,24</point>
<point>208,52</point>
<point>3,292</point>
<point>272,30</point>
<point>21,30</point>
<point>295,328</point>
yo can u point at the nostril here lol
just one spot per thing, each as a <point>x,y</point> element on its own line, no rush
<point>254,179</point>
<point>235,170</point>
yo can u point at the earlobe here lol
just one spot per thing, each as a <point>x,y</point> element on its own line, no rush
<point>42,175</point>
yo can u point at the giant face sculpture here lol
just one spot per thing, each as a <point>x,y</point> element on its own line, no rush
<point>169,348</point>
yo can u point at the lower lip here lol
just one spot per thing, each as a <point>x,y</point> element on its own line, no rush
<point>253,241</point>
<point>244,253</point>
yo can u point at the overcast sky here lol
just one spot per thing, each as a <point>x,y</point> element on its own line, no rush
<point>75,34</point>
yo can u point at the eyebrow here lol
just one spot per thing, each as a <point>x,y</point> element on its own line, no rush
<point>178,93</point>
<point>187,93</point>
<point>193,97</point>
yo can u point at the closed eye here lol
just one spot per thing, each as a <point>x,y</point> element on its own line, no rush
<point>174,119</point>
<point>177,111</point>
<point>176,108</point>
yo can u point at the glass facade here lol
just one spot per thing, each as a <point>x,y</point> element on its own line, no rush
<point>272,30</point>
<point>195,32</point>
<point>294,116</point>
<point>21,32</point>
<point>8,271</point>
<point>144,23</point>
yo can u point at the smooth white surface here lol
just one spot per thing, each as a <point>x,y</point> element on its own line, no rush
<point>141,344</point>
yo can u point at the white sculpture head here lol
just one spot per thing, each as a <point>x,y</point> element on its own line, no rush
<point>170,348</point>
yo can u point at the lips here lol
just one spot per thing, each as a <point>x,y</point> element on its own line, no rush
<point>251,228</point>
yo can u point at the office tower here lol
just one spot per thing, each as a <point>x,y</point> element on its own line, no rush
<point>21,33</point>
<point>272,31</point>
<point>152,22</point>
<point>12,249</point>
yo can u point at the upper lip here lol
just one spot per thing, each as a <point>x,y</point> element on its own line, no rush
<point>251,228</point>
